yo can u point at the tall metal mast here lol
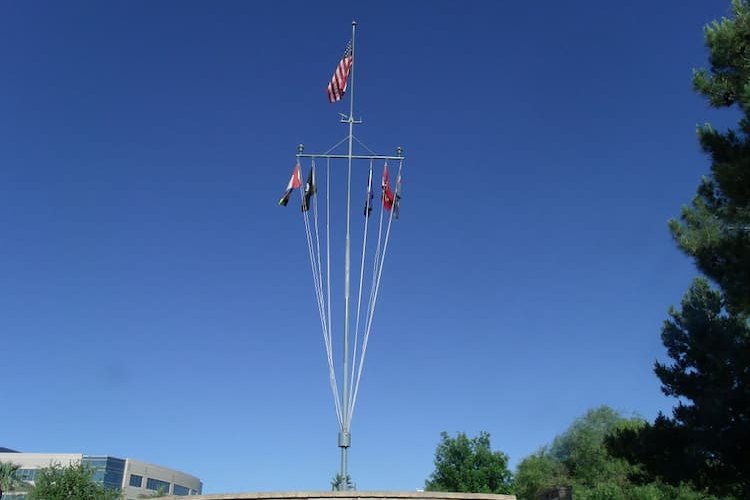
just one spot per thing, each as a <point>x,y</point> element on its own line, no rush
<point>344,436</point>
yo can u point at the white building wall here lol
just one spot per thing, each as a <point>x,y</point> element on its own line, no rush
<point>41,460</point>
<point>143,469</point>
<point>151,471</point>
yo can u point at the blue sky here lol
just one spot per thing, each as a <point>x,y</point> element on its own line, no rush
<point>157,303</point>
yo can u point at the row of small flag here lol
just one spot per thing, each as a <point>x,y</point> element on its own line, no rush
<point>389,198</point>
<point>336,90</point>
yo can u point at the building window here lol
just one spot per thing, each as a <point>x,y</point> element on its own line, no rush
<point>136,480</point>
<point>14,496</point>
<point>180,490</point>
<point>108,471</point>
<point>157,485</point>
<point>26,474</point>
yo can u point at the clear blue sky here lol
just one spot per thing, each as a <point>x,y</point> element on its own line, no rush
<point>156,303</point>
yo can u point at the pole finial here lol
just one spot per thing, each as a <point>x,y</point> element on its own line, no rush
<point>399,151</point>
<point>300,149</point>
<point>354,23</point>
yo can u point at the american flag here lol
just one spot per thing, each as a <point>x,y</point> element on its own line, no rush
<point>337,87</point>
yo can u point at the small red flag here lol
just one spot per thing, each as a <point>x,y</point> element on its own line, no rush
<point>387,192</point>
<point>294,183</point>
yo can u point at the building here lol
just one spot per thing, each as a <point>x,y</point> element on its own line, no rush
<point>556,493</point>
<point>134,478</point>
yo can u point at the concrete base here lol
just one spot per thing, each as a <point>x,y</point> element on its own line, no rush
<point>349,495</point>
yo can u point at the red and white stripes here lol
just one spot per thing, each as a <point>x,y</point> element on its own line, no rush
<point>337,87</point>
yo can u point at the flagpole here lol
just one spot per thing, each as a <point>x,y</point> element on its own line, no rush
<point>345,405</point>
<point>345,434</point>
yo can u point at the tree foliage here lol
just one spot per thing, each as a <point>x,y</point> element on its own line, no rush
<point>581,448</point>
<point>469,465</point>
<point>575,458</point>
<point>59,482</point>
<point>160,492</point>
<point>715,229</point>
<point>537,473</point>
<point>705,440</point>
<point>580,458</point>
<point>9,480</point>
<point>708,340</point>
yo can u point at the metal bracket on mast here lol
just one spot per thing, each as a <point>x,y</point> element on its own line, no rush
<point>349,119</point>
<point>398,156</point>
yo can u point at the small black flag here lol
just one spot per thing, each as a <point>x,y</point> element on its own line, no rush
<point>368,200</point>
<point>397,201</point>
<point>310,189</point>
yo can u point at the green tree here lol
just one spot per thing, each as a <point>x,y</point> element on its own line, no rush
<point>469,465</point>
<point>161,492</point>
<point>9,480</point>
<point>705,441</point>
<point>708,340</point>
<point>579,458</point>
<point>59,482</point>
<point>538,472</point>
<point>581,448</point>
<point>715,229</point>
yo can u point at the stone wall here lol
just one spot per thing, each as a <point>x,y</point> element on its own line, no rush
<point>349,495</point>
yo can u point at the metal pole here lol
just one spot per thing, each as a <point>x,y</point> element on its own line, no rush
<point>353,157</point>
<point>345,435</point>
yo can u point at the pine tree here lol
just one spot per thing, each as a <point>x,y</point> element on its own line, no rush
<point>708,340</point>
<point>710,373</point>
<point>715,228</point>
